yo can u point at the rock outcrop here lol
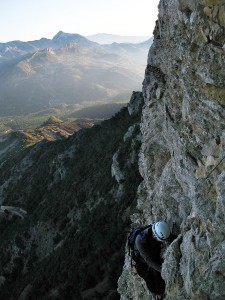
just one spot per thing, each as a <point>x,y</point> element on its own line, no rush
<point>181,159</point>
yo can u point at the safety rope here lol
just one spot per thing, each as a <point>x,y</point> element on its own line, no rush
<point>214,168</point>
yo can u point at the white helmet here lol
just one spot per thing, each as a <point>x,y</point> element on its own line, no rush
<point>161,231</point>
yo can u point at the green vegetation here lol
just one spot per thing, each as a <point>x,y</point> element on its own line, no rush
<point>65,113</point>
<point>24,131</point>
<point>80,211</point>
<point>7,142</point>
<point>13,143</point>
<point>29,121</point>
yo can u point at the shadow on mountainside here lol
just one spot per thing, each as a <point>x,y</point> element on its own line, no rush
<point>71,244</point>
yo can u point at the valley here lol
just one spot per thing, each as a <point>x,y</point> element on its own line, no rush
<point>68,70</point>
<point>50,89</point>
<point>19,132</point>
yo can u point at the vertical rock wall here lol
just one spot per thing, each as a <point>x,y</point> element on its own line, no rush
<point>183,128</point>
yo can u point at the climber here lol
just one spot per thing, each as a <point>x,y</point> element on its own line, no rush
<point>147,250</point>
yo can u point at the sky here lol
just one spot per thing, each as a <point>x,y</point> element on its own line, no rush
<point>28,20</point>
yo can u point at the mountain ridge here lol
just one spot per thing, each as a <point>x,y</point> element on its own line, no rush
<point>13,49</point>
<point>106,38</point>
<point>52,76</point>
<point>48,78</point>
<point>69,193</point>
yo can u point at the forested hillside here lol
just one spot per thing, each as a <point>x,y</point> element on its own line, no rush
<point>78,194</point>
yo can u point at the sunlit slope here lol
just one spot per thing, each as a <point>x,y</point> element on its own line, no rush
<point>53,129</point>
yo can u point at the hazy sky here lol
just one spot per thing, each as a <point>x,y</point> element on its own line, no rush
<point>32,19</point>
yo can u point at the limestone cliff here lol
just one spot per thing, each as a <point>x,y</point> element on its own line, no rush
<point>183,141</point>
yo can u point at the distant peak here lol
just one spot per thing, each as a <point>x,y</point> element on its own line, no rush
<point>63,35</point>
<point>60,34</point>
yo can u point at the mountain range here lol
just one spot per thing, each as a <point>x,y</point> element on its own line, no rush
<point>105,38</point>
<point>15,49</point>
<point>68,69</point>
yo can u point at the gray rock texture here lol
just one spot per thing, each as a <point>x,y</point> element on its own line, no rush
<point>183,141</point>
<point>136,103</point>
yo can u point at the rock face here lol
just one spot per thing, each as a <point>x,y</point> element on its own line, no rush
<point>183,141</point>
